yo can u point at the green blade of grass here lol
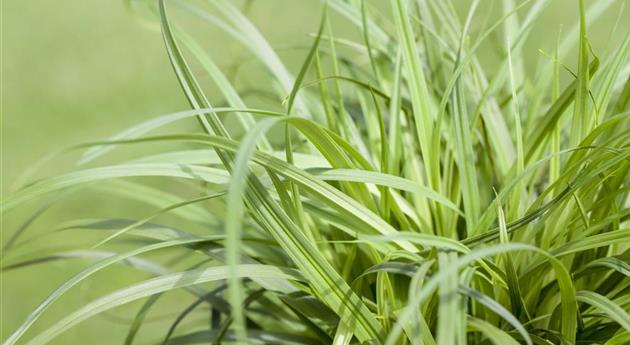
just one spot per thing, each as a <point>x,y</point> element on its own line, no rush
<point>159,285</point>
<point>580,117</point>
<point>17,334</point>
<point>211,175</point>
<point>420,99</point>
<point>610,308</point>
<point>495,334</point>
<point>500,310</point>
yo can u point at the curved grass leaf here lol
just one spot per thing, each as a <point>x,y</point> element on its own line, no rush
<point>610,308</point>
<point>159,285</point>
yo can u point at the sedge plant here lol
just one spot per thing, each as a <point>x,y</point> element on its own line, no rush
<point>395,189</point>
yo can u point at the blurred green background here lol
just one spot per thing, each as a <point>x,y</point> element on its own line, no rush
<point>81,70</point>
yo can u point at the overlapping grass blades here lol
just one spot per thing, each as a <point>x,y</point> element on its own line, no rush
<point>418,194</point>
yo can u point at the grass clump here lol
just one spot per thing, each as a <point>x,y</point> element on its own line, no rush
<point>399,189</point>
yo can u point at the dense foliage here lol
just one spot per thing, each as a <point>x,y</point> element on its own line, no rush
<point>399,189</point>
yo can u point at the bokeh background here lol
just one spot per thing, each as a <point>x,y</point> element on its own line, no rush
<point>81,70</point>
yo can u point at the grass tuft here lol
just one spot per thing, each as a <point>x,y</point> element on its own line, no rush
<point>404,187</point>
